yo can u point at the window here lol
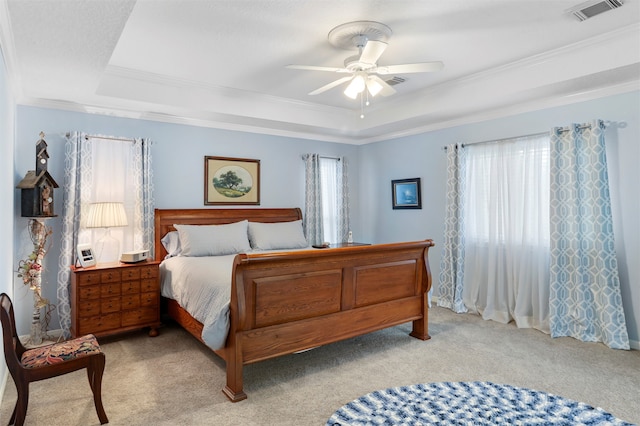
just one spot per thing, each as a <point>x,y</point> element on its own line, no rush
<point>507,191</point>
<point>330,189</point>
<point>326,217</point>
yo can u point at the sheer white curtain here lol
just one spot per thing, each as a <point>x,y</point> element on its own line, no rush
<point>506,218</point>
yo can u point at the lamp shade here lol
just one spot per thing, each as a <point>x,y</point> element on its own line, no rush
<point>106,215</point>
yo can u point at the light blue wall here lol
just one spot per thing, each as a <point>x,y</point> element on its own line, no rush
<point>422,156</point>
<point>179,152</point>
<point>178,164</point>
<point>7,113</point>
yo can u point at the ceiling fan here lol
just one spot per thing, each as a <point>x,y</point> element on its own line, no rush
<point>370,38</point>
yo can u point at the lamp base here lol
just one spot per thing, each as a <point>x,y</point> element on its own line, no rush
<point>107,248</point>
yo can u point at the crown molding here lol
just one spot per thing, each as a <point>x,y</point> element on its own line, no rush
<point>511,110</point>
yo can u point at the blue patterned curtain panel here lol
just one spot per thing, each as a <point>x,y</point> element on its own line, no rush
<point>585,299</point>
<point>313,227</point>
<point>452,261</point>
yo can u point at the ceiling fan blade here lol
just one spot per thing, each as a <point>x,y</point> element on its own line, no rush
<point>330,85</point>
<point>410,68</point>
<point>372,51</point>
<point>314,68</point>
<point>387,90</point>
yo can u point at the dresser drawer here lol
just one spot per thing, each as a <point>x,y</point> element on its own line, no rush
<point>131,274</point>
<point>130,287</point>
<point>89,292</point>
<point>151,299</point>
<point>89,308</point>
<point>131,301</point>
<point>110,290</point>
<point>139,316</point>
<point>88,278</point>
<point>149,272</point>
<point>110,276</point>
<point>149,285</point>
<point>99,323</point>
<point>111,304</point>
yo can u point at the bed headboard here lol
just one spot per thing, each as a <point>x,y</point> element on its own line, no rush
<point>165,218</point>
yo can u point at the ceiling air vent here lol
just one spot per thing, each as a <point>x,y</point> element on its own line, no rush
<point>395,80</point>
<point>591,8</point>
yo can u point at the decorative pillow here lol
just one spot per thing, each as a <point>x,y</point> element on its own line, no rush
<point>213,240</point>
<point>171,243</point>
<point>279,235</point>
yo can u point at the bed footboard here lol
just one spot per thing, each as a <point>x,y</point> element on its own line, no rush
<point>287,302</point>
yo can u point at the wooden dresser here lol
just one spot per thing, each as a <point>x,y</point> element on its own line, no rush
<point>113,298</point>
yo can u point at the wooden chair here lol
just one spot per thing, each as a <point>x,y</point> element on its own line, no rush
<point>30,365</point>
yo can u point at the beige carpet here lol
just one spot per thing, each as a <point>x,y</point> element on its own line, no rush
<point>175,380</point>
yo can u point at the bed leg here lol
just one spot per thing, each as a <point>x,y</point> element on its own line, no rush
<point>233,390</point>
<point>420,329</point>
<point>234,396</point>
<point>421,326</point>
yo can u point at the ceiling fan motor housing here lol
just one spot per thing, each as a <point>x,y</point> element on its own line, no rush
<point>353,64</point>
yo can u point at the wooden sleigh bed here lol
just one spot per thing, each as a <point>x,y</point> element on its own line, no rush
<point>286,302</point>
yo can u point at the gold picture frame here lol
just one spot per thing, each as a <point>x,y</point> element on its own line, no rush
<point>231,181</point>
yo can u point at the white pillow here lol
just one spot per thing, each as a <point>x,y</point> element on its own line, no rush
<point>171,243</point>
<point>278,235</point>
<point>213,240</point>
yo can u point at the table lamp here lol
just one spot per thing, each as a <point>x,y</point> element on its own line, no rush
<point>107,215</point>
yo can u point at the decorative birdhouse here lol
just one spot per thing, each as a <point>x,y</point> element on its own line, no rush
<point>38,185</point>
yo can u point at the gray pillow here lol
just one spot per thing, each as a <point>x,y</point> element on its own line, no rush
<point>278,235</point>
<point>213,240</point>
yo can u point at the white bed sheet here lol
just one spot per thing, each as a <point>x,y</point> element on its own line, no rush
<point>202,286</point>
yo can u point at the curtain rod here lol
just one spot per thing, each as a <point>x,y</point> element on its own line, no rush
<point>325,156</point>
<point>564,129</point>
<point>86,137</point>
<point>500,140</point>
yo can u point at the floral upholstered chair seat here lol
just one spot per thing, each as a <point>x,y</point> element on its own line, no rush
<point>60,352</point>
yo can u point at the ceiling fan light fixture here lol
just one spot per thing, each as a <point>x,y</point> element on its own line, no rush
<point>373,87</point>
<point>356,86</point>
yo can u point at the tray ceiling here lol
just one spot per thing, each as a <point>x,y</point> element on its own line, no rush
<point>222,63</point>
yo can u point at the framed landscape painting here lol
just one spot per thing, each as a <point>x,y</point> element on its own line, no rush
<point>230,181</point>
<point>406,193</point>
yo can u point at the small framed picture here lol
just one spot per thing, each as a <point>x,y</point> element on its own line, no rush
<point>230,181</point>
<point>406,194</point>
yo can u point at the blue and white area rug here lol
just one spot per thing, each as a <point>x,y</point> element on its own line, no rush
<point>467,403</point>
